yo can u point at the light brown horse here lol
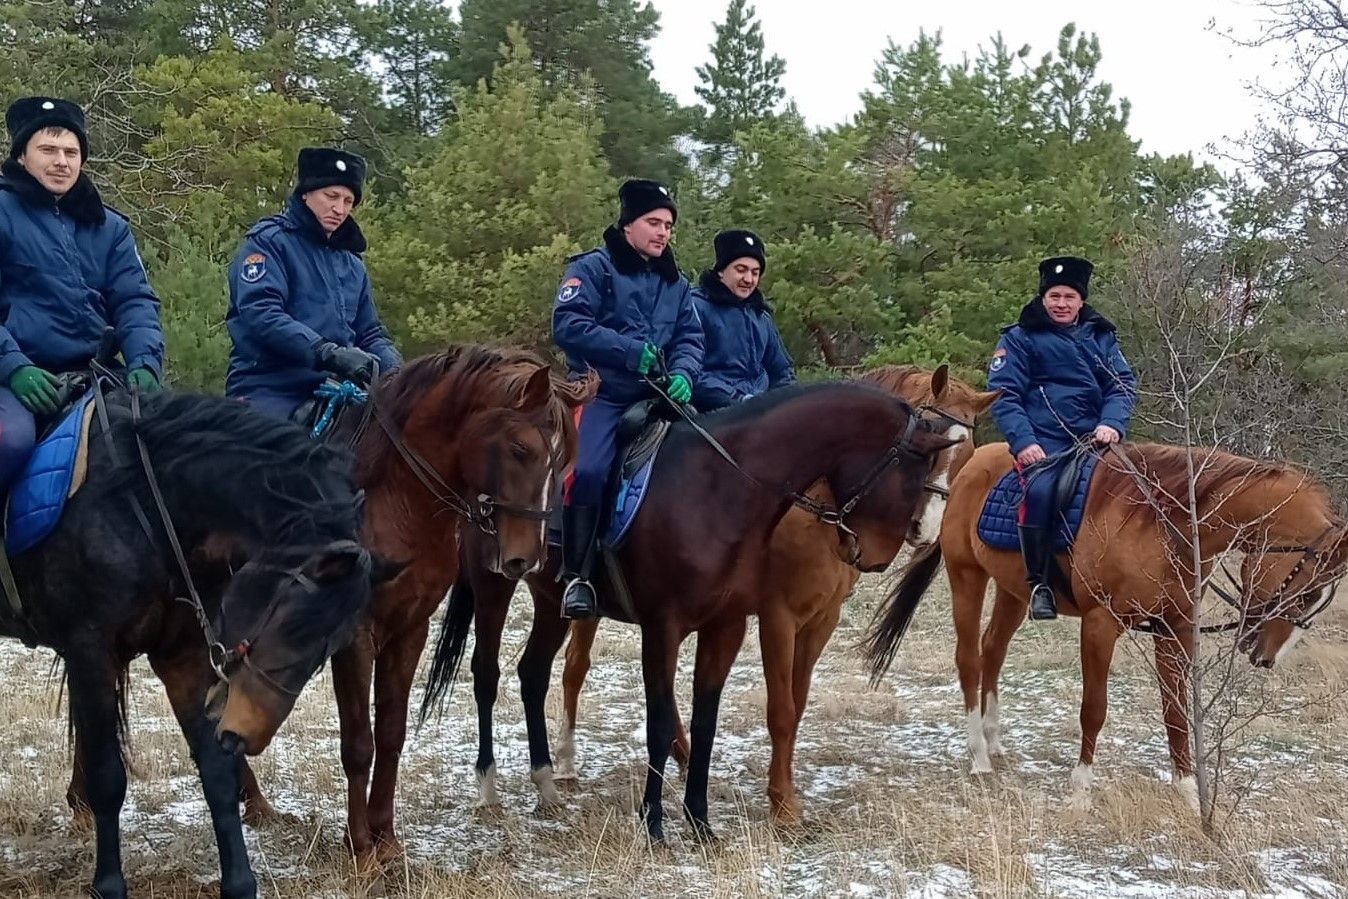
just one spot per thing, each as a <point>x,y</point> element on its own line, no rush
<point>1131,566</point>
<point>795,624</point>
<point>457,461</point>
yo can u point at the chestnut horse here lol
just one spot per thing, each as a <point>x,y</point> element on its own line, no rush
<point>457,458</point>
<point>796,622</point>
<point>698,559</point>
<point>1131,567</point>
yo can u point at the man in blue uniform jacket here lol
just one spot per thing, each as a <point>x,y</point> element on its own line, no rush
<point>744,354</point>
<point>68,270</point>
<point>1064,382</point>
<point>300,307</point>
<point>620,306</point>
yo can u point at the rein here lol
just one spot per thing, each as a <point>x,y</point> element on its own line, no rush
<point>1309,551</point>
<point>900,448</point>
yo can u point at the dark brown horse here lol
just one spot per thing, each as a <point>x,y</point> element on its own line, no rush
<point>102,589</point>
<point>698,557</point>
<point>1132,564</point>
<point>796,623</point>
<point>457,458</point>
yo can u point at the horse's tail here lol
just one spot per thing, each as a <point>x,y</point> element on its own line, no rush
<point>449,648</point>
<point>892,618</point>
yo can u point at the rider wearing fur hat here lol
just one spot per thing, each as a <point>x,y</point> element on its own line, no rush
<point>620,307</point>
<point>1064,383</point>
<point>300,307</point>
<point>744,353</point>
<point>69,269</point>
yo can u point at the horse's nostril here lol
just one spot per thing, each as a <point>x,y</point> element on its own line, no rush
<point>515,568</point>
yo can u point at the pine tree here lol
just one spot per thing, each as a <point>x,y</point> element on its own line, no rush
<point>740,85</point>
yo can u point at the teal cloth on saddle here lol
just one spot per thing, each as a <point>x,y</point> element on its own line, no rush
<point>997,522</point>
<point>39,495</point>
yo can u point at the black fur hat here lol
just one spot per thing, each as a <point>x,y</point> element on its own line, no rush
<point>639,196</point>
<point>325,166</point>
<point>27,116</point>
<point>1065,271</point>
<point>732,245</point>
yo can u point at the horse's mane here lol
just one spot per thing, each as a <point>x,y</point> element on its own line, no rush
<point>222,465</point>
<point>467,378</point>
<point>758,406</point>
<point>1216,471</point>
<point>894,378</point>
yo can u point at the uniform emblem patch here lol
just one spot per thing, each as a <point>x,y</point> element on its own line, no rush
<point>570,290</point>
<point>254,267</point>
<point>998,359</point>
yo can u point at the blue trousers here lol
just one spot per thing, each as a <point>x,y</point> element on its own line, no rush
<point>17,436</point>
<point>1038,483</point>
<point>597,423</point>
<point>276,405</point>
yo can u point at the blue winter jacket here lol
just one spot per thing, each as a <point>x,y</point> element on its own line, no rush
<point>69,269</point>
<point>291,288</point>
<point>1059,382</point>
<point>611,302</point>
<point>744,353</point>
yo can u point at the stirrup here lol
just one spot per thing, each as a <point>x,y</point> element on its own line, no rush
<point>1043,606</point>
<point>579,600</point>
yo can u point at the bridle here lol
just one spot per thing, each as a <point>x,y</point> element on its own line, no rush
<point>1280,596</point>
<point>834,516</point>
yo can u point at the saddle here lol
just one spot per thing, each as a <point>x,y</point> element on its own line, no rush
<point>640,434</point>
<point>1071,471</point>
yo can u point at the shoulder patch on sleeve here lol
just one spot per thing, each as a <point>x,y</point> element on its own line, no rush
<point>998,359</point>
<point>570,289</point>
<point>253,267</point>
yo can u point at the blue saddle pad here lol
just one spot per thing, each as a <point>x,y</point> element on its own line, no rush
<point>627,502</point>
<point>997,521</point>
<point>39,495</point>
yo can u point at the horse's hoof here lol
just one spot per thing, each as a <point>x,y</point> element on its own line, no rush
<point>110,887</point>
<point>980,768</point>
<point>81,819</point>
<point>387,849</point>
<point>261,813</point>
<point>995,748</point>
<point>787,814</point>
<point>703,833</point>
<point>1187,786</point>
<point>565,771</point>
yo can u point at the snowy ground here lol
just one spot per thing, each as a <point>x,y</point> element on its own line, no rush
<point>891,808</point>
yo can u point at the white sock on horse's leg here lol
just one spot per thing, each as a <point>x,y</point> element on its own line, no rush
<point>1083,778</point>
<point>487,796</point>
<point>978,747</point>
<point>992,726</point>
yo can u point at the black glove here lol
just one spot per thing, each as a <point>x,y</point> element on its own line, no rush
<point>346,362</point>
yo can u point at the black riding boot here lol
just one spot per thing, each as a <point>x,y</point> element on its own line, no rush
<point>579,524</point>
<point>1035,545</point>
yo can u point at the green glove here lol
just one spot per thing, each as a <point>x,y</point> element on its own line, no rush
<point>37,388</point>
<point>648,357</point>
<point>680,391</point>
<point>144,380</point>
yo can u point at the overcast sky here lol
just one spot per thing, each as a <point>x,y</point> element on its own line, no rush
<point>1186,80</point>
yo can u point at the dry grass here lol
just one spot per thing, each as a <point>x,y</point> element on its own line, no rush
<point>892,810</point>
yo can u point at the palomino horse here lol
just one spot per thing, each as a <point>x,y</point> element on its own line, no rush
<point>458,455</point>
<point>697,558</point>
<point>796,622</point>
<point>100,590</point>
<point>1130,567</point>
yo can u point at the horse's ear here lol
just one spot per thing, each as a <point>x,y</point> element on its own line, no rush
<point>940,381</point>
<point>985,399</point>
<point>537,390</point>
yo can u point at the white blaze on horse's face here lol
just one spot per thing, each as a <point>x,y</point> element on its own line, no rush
<point>927,526</point>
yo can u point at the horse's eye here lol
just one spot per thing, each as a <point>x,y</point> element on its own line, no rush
<point>520,452</point>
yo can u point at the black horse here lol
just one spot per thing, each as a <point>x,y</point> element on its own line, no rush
<point>267,523</point>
